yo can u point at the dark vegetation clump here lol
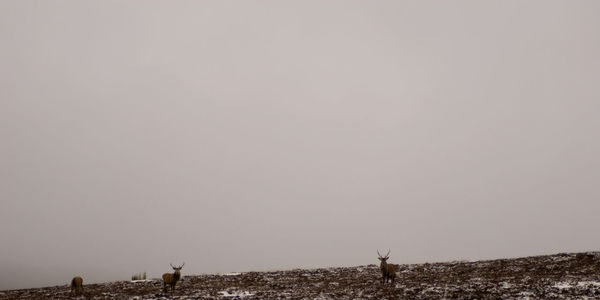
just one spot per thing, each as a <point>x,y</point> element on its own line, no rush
<point>138,276</point>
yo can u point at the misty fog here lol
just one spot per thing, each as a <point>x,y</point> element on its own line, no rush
<point>262,135</point>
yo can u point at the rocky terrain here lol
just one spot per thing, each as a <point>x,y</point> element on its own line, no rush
<point>560,276</point>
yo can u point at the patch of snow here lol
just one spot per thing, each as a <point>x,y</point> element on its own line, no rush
<point>588,283</point>
<point>525,295</point>
<point>232,274</point>
<point>430,289</point>
<point>562,285</point>
<point>506,285</point>
<point>321,297</point>
<point>142,280</point>
<point>560,258</point>
<point>235,294</point>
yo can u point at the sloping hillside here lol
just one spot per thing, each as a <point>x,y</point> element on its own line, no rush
<point>560,276</point>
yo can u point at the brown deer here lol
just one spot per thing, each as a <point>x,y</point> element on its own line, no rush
<point>171,279</point>
<point>77,285</point>
<point>388,271</point>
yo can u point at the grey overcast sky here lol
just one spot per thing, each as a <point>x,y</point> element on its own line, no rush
<point>258,135</point>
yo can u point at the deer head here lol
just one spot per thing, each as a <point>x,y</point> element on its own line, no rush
<point>177,269</point>
<point>383,259</point>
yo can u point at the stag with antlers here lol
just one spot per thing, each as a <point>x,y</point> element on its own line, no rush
<point>172,278</point>
<point>388,271</point>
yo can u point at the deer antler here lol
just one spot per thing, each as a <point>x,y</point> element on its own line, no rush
<point>388,254</point>
<point>378,253</point>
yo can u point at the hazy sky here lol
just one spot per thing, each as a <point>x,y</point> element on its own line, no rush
<point>256,135</point>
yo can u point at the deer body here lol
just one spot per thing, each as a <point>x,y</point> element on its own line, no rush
<point>388,271</point>
<point>172,278</point>
<point>77,284</point>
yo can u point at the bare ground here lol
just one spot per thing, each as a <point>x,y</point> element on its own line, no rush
<point>560,276</point>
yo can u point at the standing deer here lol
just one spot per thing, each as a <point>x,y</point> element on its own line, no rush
<point>77,285</point>
<point>388,271</point>
<point>171,279</point>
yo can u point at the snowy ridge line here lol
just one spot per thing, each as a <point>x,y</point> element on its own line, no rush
<point>559,276</point>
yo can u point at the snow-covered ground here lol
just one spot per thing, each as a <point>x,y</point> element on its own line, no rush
<point>560,276</point>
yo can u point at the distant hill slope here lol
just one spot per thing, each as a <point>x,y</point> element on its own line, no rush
<point>560,276</point>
